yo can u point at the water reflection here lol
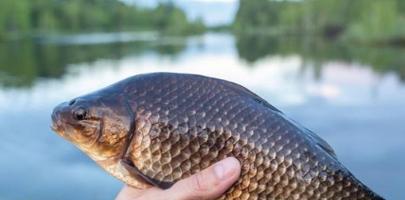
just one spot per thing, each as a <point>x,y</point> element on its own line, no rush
<point>355,106</point>
<point>253,47</point>
<point>23,62</point>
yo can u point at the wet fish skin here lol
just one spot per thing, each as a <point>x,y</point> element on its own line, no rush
<point>184,123</point>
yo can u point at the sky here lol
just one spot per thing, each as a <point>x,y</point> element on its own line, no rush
<point>212,12</point>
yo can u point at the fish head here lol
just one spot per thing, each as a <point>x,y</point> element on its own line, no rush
<point>101,124</point>
<point>97,124</point>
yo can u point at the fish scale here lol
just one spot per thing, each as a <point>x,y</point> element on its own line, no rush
<point>227,122</point>
<point>156,129</point>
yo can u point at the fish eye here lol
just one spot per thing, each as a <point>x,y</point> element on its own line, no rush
<point>80,114</point>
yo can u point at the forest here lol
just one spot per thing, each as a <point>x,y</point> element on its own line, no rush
<point>363,21</point>
<point>31,17</point>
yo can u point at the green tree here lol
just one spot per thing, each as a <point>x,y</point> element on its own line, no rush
<point>49,16</point>
<point>14,16</point>
<point>360,20</point>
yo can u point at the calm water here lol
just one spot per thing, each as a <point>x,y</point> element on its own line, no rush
<point>351,96</point>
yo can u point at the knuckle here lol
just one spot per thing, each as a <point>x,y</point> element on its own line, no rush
<point>198,183</point>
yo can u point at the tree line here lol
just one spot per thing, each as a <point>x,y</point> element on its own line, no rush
<point>361,20</point>
<point>24,17</point>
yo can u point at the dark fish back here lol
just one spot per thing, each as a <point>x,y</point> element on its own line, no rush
<point>185,123</point>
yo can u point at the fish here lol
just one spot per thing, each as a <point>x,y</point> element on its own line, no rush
<point>152,130</point>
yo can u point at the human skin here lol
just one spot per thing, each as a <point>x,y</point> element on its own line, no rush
<point>208,184</point>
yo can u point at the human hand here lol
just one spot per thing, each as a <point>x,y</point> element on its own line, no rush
<point>210,183</point>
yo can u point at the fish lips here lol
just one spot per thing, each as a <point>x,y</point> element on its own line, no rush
<point>59,113</point>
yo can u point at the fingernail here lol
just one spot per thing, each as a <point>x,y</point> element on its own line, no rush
<point>225,167</point>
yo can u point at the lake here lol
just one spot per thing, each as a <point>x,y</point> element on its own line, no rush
<point>350,95</point>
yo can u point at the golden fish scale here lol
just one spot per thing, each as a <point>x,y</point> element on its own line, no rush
<point>184,125</point>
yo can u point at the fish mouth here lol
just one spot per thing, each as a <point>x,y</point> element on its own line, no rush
<point>55,125</point>
<point>59,118</point>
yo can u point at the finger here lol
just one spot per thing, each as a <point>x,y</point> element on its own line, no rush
<point>207,184</point>
<point>129,193</point>
<point>210,183</point>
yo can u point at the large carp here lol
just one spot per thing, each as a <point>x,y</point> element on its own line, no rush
<point>155,129</point>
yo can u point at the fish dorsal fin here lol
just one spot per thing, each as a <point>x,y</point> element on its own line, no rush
<point>321,142</point>
<point>243,91</point>
<point>313,137</point>
<point>266,104</point>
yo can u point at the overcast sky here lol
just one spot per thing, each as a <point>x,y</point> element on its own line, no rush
<point>213,12</point>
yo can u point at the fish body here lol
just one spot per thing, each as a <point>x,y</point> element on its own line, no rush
<point>155,129</point>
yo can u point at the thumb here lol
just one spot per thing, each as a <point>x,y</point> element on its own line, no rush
<point>210,183</point>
